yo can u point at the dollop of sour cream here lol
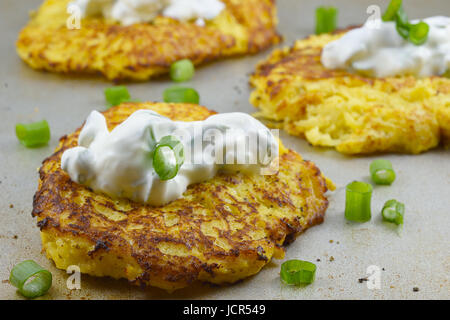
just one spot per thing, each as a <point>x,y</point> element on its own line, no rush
<point>129,12</point>
<point>382,52</point>
<point>119,163</point>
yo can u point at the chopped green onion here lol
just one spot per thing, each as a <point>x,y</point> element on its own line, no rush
<point>403,31</point>
<point>415,33</point>
<point>31,279</point>
<point>357,201</point>
<point>164,167</point>
<point>382,172</point>
<point>117,95</point>
<point>326,19</point>
<point>182,70</point>
<point>33,134</point>
<point>401,17</point>
<point>392,10</point>
<point>181,95</point>
<point>393,211</point>
<point>402,23</point>
<point>298,272</point>
<point>418,33</point>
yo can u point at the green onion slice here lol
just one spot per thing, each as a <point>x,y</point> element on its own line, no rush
<point>117,95</point>
<point>401,17</point>
<point>402,23</point>
<point>392,10</point>
<point>33,134</point>
<point>31,279</point>
<point>414,33</point>
<point>164,167</point>
<point>382,172</point>
<point>298,272</point>
<point>357,201</point>
<point>181,95</point>
<point>182,70</point>
<point>393,211</point>
<point>418,33</point>
<point>326,19</point>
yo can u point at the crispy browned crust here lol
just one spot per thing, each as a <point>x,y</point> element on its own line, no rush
<point>399,114</point>
<point>226,229</point>
<point>143,51</point>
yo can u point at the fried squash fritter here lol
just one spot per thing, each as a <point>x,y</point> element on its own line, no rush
<point>143,51</point>
<point>221,231</point>
<point>352,113</point>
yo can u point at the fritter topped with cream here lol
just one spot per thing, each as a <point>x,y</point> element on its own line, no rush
<point>221,231</point>
<point>353,113</point>
<point>145,50</point>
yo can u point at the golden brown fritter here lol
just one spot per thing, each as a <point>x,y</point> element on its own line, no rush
<point>353,113</point>
<point>142,51</point>
<point>221,231</point>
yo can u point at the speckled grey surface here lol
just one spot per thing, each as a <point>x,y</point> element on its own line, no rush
<point>418,257</point>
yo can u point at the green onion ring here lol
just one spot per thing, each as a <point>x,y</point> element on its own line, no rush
<point>182,70</point>
<point>403,31</point>
<point>393,211</point>
<point>117,95</point>
<point>357,201</point>
<point>181,95</point>
<point>326,19</point>
<point>33,135</point>
<point>418,33</point>
<point>37,286</point>
<point>402,23</point>
<point>414,33</point>
<point>381,172</point>
<point>161,164</point>
<point>298,272</point>
<point>392,10</point>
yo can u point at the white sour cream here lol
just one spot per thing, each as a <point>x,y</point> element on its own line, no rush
<point>198,9</point>
<point>119,163</point>
<point>129,12</point>
<point>382,52</point>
